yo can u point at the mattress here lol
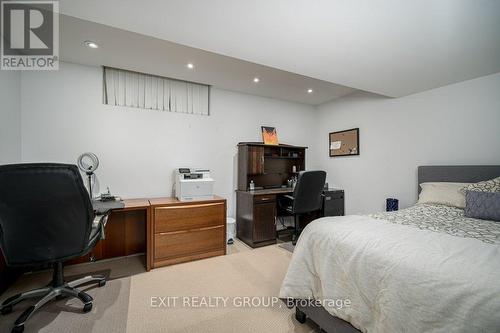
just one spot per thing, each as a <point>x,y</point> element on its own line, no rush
<point>422,269</point>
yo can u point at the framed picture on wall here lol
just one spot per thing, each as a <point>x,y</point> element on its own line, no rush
<point>344,143</point>
<point>269,135</point>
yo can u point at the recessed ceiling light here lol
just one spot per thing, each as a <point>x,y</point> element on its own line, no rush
<point>309,91</point>
<point>90,44</point>
<point>190,66</point>
<point>256,79</point>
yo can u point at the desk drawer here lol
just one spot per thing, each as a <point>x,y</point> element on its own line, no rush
<point>187,217</point>
<point>264,198</point>
<point>185,243</point>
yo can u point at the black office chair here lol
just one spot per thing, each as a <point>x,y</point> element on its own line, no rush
<point>306,197</point>
<point>46,217</point>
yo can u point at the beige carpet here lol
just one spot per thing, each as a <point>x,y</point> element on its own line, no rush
<point>109,313</point>
<point>124,305</point>
<point>287,246</point>
<point>252,273</point>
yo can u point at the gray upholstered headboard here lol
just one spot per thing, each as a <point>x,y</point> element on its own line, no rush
<point>457,173</point>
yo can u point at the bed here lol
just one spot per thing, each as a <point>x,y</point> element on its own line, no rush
<point>408,271</point>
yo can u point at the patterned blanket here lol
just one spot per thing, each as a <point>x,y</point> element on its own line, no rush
<point>440,218</point>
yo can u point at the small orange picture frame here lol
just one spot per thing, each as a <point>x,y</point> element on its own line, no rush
<point>269,135</point>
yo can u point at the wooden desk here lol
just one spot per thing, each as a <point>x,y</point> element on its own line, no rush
<point>264,166</point>
<point>257,210</point>
<point>167,230</point>
<point>126,232</point>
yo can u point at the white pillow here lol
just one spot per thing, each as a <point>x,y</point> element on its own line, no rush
<point>448,194</point>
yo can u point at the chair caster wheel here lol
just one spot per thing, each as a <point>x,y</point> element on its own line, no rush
<point>6,310</point>
<point>87,307</point>
<point>18,329</point>
<point>102,283</point>
<point>300,316</point>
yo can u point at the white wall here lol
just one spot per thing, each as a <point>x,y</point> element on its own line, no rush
<point>10,117</point>
<point>63,116</point>
<point>456,124</point>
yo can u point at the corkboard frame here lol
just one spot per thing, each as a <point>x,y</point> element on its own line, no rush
<point>334,136</point>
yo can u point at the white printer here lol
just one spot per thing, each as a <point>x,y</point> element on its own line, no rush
<point>193,184</point>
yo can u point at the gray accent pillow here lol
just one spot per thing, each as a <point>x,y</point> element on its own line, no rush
<point>482,205</point>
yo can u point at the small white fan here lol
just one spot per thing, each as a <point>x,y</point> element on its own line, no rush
<point>88,163</point>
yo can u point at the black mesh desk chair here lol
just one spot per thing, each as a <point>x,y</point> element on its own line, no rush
<point>306,197</point>
<point>46,217</point>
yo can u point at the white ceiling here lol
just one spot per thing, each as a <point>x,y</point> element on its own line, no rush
<point>390,47</point>
<point>136,52</point>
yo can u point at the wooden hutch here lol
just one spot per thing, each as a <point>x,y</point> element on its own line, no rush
<point>269,167</point>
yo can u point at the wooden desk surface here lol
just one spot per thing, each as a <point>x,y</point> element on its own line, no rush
<point>174,201</point>
<point>144,203</point>
<point>133,204</point>
<point>280,190</point>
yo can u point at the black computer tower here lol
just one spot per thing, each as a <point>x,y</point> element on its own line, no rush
<point>333,203</point>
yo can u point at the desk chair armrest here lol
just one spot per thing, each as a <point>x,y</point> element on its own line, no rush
<point>100,223</point>
<point>289,197</point>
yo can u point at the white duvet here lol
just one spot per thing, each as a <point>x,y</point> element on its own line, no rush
<point>398,278</point>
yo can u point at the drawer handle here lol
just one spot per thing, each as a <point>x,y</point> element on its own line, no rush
<point>190,230</point>
<point>190,206</point>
